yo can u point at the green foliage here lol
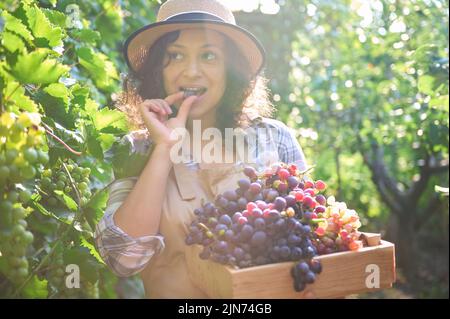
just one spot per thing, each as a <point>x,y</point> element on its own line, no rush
<point>368,83</point>
<point>60,61</point>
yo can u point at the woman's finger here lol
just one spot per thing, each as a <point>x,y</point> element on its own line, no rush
<point>185,108</point>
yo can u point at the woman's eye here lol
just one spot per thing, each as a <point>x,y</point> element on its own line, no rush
<point>210,56</point>
<point>175,55</point>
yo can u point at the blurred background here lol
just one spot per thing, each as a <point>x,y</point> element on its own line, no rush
<point>364,84</point>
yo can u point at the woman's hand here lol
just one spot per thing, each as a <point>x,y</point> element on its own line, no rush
<point>155,113</point>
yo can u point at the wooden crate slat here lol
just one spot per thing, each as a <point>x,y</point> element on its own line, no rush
<point>343,274</point>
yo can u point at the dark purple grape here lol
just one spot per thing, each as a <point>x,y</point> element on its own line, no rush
<point>238,253</point>
<point>309,252</point>
<point>225,219</point>
<point>281,242</point>
<point>208,209</point>
<point>274,214</point>
<point>301,185</point>
<point>302,268</point>
<point>229,235</point>
<point>221,246</point>
<point>307,216</point>
<point>306,229</point>
<point>309,277</point>
<point>279,203</point>
<point>292,182</point>
<point>293,239</point>
<point>315,266</point>
<point>255,188</point>
<point>299,285</point>
<point>230,195</point>
<point>258,197</point>
<point>258,238</point>
<point>244,184</point>
<point>259,223</point>
<point>221,202</point>
<point>199,211</point>
<point>321,199</point>
<point>250,172</point>
<point>220,227</point>
<point>246,232</point>
<point>271,195</point>
<point>296,253</point>
<point>232,207</point>
<point>236,216</point>
<point>290,200</point>
<point>285,252</point>
<point>280,224</point>
<point>257,213</point>
<point>242,203</point>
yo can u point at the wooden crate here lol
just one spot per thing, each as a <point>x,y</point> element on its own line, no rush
<point>343,274</point>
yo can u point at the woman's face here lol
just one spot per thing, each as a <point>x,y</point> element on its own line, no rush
<point>198,60</point>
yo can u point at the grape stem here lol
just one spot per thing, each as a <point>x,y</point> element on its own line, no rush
<point>61,141</point>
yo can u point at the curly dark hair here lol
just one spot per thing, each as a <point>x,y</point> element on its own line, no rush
<point>244,93</point>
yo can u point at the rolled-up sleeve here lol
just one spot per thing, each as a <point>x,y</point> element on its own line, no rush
<point>124,254</point>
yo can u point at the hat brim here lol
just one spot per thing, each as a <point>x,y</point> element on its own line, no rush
<point>138,44</point>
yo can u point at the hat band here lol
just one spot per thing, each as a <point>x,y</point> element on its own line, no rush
<point>194,16</point>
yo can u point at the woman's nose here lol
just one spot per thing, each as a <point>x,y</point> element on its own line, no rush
<point>192,68</point>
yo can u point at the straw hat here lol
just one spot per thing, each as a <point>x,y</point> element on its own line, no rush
<point>183,14</point>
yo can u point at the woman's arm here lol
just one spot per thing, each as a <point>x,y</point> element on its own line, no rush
<point>140,213</point>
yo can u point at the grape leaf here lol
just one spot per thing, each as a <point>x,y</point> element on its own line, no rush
<point>35,288</point>
<point>70,203</point>
<point>59,90</point>
<point>12,42</point>
<point>45,70</point>
<point>110,121</point>
<point>92,250</point>
<point>16,26</point>
<point>44,32</point>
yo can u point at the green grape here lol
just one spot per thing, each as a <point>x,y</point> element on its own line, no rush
<point>11,155</point>
<point>86,172</point>
<point>30,155</point>
<point>18,213</point>
<point>62,178</point>
<point>4,172</point>
<point>28,172</point>
<point>24,196</point>
<point>13,196</point>
<point>47,173</point>
<point>20,162</point>
<point>43,157</point>
<point>60,185</point>
<point>82,186</point>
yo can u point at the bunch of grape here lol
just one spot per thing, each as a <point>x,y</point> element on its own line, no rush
<point>337,228</point>
<point>58,179</point>
<point>265,220</point>
<point>56,273</point>
<point>21,158</point>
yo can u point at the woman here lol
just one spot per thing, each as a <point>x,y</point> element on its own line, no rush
<point>192,66</point>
